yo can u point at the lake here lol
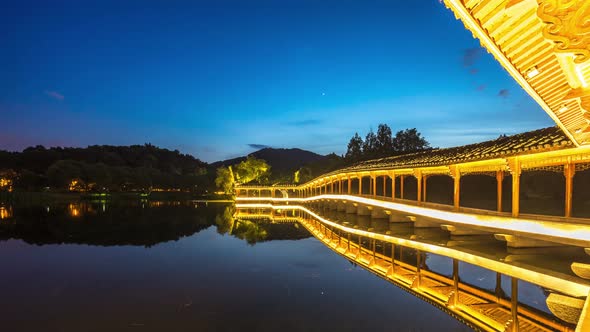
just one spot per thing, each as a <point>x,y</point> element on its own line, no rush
<point>154,266</point>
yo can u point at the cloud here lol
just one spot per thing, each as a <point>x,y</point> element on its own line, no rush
<point>471,55</point>
<point>481,87</point>
<point>306,122</point>
<point>258,146</point>
<point>504,93</point>
<point>54,94</point>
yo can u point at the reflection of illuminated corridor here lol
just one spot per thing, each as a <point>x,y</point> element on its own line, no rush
<point>375,245</point>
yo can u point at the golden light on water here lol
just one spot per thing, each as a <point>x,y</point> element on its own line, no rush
<point>5,213</point>
<point>565,285</point>
<point>567,233</point>
<point>74,210</point>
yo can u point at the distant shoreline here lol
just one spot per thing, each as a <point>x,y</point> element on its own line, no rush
<point>49,197</point>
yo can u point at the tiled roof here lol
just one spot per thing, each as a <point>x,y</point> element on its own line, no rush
<point>541,140</point>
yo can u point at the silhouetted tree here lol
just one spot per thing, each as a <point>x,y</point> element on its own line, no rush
<point>384,144</point>
<point>355,149</point>
<point>409,140</point>
<point>370,145</point>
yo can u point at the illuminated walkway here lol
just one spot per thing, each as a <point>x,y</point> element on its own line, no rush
<point>381,253</point>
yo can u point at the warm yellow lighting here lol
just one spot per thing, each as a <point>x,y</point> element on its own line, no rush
<point>74,210</point>
<point>532,72</point>
<point>563,109</point>
<point>499,46</point>
<point>6,184</point>
<point>540,278</point>
<point>5,213</point>
<point>553,231</point>
<point>76,185</point>
<point>581,76</point>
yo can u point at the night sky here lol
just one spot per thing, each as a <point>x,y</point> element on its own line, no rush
<point>219,79</point>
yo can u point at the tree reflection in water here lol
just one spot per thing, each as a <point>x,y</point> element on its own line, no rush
<point>135,224</point>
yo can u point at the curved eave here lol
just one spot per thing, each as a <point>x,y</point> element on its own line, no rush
<point>515,38</point>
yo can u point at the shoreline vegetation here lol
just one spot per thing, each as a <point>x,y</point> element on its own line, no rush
<point>36,197</point>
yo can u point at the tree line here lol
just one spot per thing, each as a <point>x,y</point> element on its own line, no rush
<point>383,144</point>
<point>103,168</point>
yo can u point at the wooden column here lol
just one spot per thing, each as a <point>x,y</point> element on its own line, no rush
<point>349,188</point>
<point>331,187</point>
<point>456,190</point>
<point>424,194</point>
<point>515,170</point>
<point>401,187</point>
<point>360,184</point>
<point>392,186</point>
<point>499,180</point>
<point>374,179</point>
<point>455,173</point>
<point>418,176</point>
<point>569,171</point>
<point>384,194</point>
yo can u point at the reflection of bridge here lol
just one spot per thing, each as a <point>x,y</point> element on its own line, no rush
<point>380,251</point>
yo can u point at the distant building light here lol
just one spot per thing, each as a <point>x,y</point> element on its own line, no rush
<point>532,72</point>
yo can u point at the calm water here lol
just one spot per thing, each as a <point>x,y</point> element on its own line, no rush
<point>161,267</point>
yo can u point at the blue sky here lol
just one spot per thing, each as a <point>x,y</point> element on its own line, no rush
<point>217,79</point>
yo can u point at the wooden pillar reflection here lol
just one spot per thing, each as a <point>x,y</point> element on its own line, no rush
<point>418,268</point>
<point>348,242</point>
<point>569,171</point>
<point>392,258</point>
<point>514,304</point>
<point>498,289</point>
<point>374,248</point>
<point>455,298</point>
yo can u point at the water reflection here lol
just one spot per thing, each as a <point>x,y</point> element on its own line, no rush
<point>5,212</point>
<point>98,223</point>
<point>187,266</point>
<point>474,277</point>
